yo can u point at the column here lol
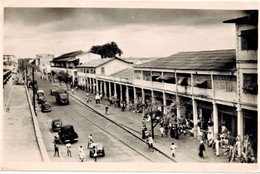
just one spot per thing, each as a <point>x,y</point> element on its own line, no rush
<point>105,89</point>
<point>115,92</point>
<point>152,95</point>
<point>121,92</point>
<point>127,96</point>
<point>92,85</point>
<point>240,126</point>
<point>177,97</point>
<point>101,88</point>
<point>195,115</point>
<point>109,90</point>
<point>164,103</point>
<point>240,122</point>
<point>135,98</point>
<point>143,96</point>
<point>215,119</point>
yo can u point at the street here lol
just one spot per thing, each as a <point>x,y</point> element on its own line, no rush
<point>120,146</point>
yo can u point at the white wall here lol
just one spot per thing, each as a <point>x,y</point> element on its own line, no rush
<point>86,57</point>
<point>113,67</point>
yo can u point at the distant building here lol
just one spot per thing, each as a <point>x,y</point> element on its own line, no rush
<point>10,63</point>
<point>69,61</point>
<point>43,61</point>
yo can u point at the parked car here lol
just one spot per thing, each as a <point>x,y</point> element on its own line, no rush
<point>46,107</point>
<point>40,96</point>
<point>62,97</point>
<point>100,149</point>
<point>56,124</point>
<point>68,134</point>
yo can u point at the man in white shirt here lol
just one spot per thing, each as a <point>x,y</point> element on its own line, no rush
<point>173,148</point>
<point>68,145</point>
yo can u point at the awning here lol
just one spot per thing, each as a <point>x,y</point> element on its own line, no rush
<point>200,82</point>
<point>182,81</point>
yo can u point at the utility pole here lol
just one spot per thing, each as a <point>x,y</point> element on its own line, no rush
<point>33,88</point>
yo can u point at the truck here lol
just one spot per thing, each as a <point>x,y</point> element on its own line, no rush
<point>62,97</point>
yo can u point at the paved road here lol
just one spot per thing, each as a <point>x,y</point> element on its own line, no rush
<point>120,146</point>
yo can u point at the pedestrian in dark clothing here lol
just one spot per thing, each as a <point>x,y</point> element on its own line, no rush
<point>201,149</point>
<point>56,140</point>
<point>106,109</point>
<point>56,150</point>
<point>166,130</point>
<point>95,153</point>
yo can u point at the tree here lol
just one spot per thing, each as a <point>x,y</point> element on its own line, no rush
<point>107,50</point>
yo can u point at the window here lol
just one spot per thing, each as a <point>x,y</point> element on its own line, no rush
<point>156,76</point>
<point>202,81</point>
<point>250,84</point>
<point>87,70</point>
<point>147,75</point>
<point>94,71</point>
<point>103,70</point>
<point>249,39</point>
<point>137,74</point>
<point>169,77</point>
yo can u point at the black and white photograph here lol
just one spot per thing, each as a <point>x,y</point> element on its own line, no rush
<point>154,88</point>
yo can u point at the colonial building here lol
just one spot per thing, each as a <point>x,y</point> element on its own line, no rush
<point>247,84</point>
<point>88,72</point>
<point>44,63</point>
<point>69,61</point>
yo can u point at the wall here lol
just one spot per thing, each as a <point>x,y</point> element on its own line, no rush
<point>87,57</point>
<point>113,67</point>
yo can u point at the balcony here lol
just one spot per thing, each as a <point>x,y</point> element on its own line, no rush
<point>203,92</point>
<point>224,95</point>
<point>184,89</point>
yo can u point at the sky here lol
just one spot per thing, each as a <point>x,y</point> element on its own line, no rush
<point>137,32</point>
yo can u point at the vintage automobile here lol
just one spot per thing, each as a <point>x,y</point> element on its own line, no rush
<point>62,97</point>
<point>56,124</point>
<point>46,107</point>
<point>100,149</point>
<point>68,134</point>
<point>40,96</point>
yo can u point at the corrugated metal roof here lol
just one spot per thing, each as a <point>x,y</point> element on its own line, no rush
<point>99,62</point>
<point>220,60</point>
<point>68,56</point>
<point>96,63</point>
<point>124,74</point>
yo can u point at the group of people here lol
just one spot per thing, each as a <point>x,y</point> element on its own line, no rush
<point>81,153</point>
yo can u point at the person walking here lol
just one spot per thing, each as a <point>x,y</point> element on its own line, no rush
<point>202,149</point>
<point>95,153</point>
<point>56,150</point>
<point>106,109</point>
<point>82,156</point>
<point>68,145</point>
<point>162,130</point>
<point>217,143</point>
<point>166,130</point>
<point>90,140</point>
<point>173,148</point>
<point>72,90</point>
<point>56,140</point>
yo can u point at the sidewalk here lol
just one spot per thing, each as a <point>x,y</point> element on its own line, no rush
<point>19,140</point>
<point>188,146</point>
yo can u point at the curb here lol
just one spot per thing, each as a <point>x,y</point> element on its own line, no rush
<point>43,151</point>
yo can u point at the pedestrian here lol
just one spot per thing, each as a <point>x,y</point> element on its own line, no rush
<point>106,108</point>
<point>56,140</point>
<point>72,90</point>
<point>95,153</point>
<point>162,130</point>
<point>56,150</point>
<point>90,140</point>
<point>150,142</point>
<point>217,143</point>
<point>166,130</point>
<point>80,148</point>
<point>68,145</point>
<point>146,133</point>
<point>173,148</point>
<point>76,87</point>
<point>82,156</point>
<point>202,149</point>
